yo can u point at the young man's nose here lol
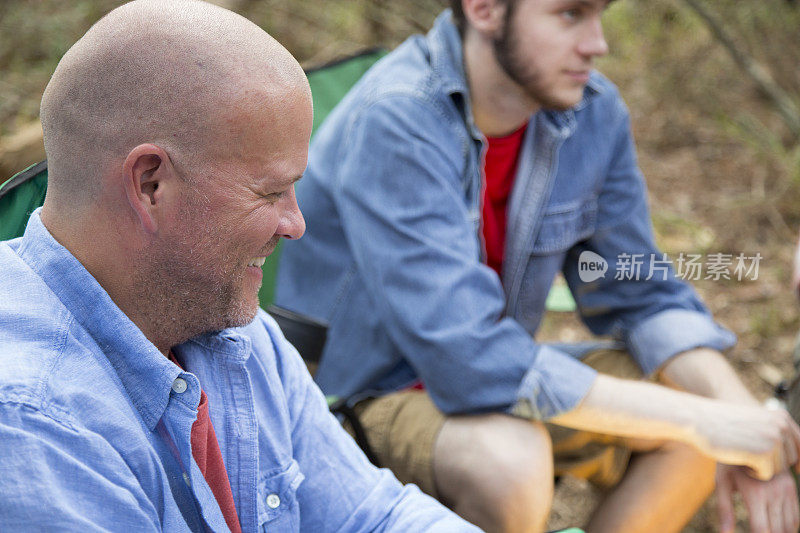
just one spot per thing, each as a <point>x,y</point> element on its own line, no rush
<point>594,43</point>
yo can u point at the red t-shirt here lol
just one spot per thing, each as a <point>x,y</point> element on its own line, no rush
<point>208,456</point>
<point>500,167</point>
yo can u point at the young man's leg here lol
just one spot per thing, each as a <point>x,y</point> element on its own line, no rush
<point>497,471</point>
<point>650,486</point>
<point>494,470</point>
<point>661,490</point>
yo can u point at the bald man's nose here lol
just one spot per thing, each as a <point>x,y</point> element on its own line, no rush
<point>292,224</point>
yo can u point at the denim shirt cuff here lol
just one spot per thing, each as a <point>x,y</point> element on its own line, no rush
<point>556,383</point>
<point>666,334</point>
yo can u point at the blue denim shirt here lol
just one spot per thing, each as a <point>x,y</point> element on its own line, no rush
<point>95,422</point>
<point>392,258</point>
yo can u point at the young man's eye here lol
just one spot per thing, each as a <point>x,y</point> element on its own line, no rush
<point>571,14</point>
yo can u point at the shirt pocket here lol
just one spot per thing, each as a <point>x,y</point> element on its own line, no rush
<point>278,509</point>
<point>565,225</point>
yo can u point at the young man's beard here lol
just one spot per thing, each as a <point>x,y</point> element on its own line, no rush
<point>508,54</point>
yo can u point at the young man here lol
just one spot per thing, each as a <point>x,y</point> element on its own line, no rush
<point>141,389</point>
<point>433,282</point>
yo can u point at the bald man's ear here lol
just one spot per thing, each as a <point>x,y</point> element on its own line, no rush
<point>485,16</point>
<point>146,171</point>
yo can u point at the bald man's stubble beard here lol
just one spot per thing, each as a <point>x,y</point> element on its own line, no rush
<point>185,303</point>
<point>186,290</point>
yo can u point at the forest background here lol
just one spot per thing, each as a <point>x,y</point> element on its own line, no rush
<point>713,89</point>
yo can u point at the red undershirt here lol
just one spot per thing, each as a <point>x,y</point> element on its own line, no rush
<point>208,456</point>
<point>500,167</point>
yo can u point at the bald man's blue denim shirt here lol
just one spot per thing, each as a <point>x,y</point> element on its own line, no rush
<point>392,257</point>
<point>95,422</point>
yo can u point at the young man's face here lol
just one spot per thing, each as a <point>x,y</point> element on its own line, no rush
<point>547,47</point>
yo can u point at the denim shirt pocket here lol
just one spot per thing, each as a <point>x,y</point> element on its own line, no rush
<point>564,225</point>
<point>278,509</point>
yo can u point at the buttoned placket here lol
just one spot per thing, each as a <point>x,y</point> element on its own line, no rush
<point>181,413</point>
<point>175,428</point>
<point>532,189</point>
<point>226,355</point>
<point>243,439</point>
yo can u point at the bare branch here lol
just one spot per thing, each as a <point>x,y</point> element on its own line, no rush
<point>784,104</point>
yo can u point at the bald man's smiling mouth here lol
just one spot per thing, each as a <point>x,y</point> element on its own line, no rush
<point>257,262</point>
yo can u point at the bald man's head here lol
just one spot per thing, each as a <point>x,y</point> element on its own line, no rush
<point>175,131</point>
<point>162,72</point>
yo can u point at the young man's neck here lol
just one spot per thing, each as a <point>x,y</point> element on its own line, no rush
<point>499,105</point>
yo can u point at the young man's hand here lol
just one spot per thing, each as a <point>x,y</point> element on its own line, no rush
<point>707,373</point>
<point>766,440</point>
<point>772,505</point>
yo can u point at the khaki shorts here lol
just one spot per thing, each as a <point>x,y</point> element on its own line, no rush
<point>402,428</point>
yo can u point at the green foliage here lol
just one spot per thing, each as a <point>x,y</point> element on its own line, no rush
<point>662,54</point>
<point>768,323</point>
<point>316,34</point>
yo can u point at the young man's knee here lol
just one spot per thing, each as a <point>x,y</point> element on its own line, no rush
<point>501,469</point>
<point>521,454</point>
<point>519,477</point>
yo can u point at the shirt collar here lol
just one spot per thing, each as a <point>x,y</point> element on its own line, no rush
<point>445,46</point>
<point>143,370</point>
<point>447,63</point>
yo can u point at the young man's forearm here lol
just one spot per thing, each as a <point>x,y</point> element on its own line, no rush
<point>706,372</point>
<point>732,434</point>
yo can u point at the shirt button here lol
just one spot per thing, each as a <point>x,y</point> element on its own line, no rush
<point>179,385</point>
<point>273,501</point>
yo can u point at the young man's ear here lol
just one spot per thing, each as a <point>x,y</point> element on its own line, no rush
<point>146,170</point>
<point>485,16</point>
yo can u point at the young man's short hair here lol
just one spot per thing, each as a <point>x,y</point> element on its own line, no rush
<point>458,14</point>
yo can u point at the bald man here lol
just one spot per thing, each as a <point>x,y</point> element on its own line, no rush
<point>141,388</point>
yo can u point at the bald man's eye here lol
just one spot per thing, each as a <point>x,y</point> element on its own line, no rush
<point>274,197</point>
